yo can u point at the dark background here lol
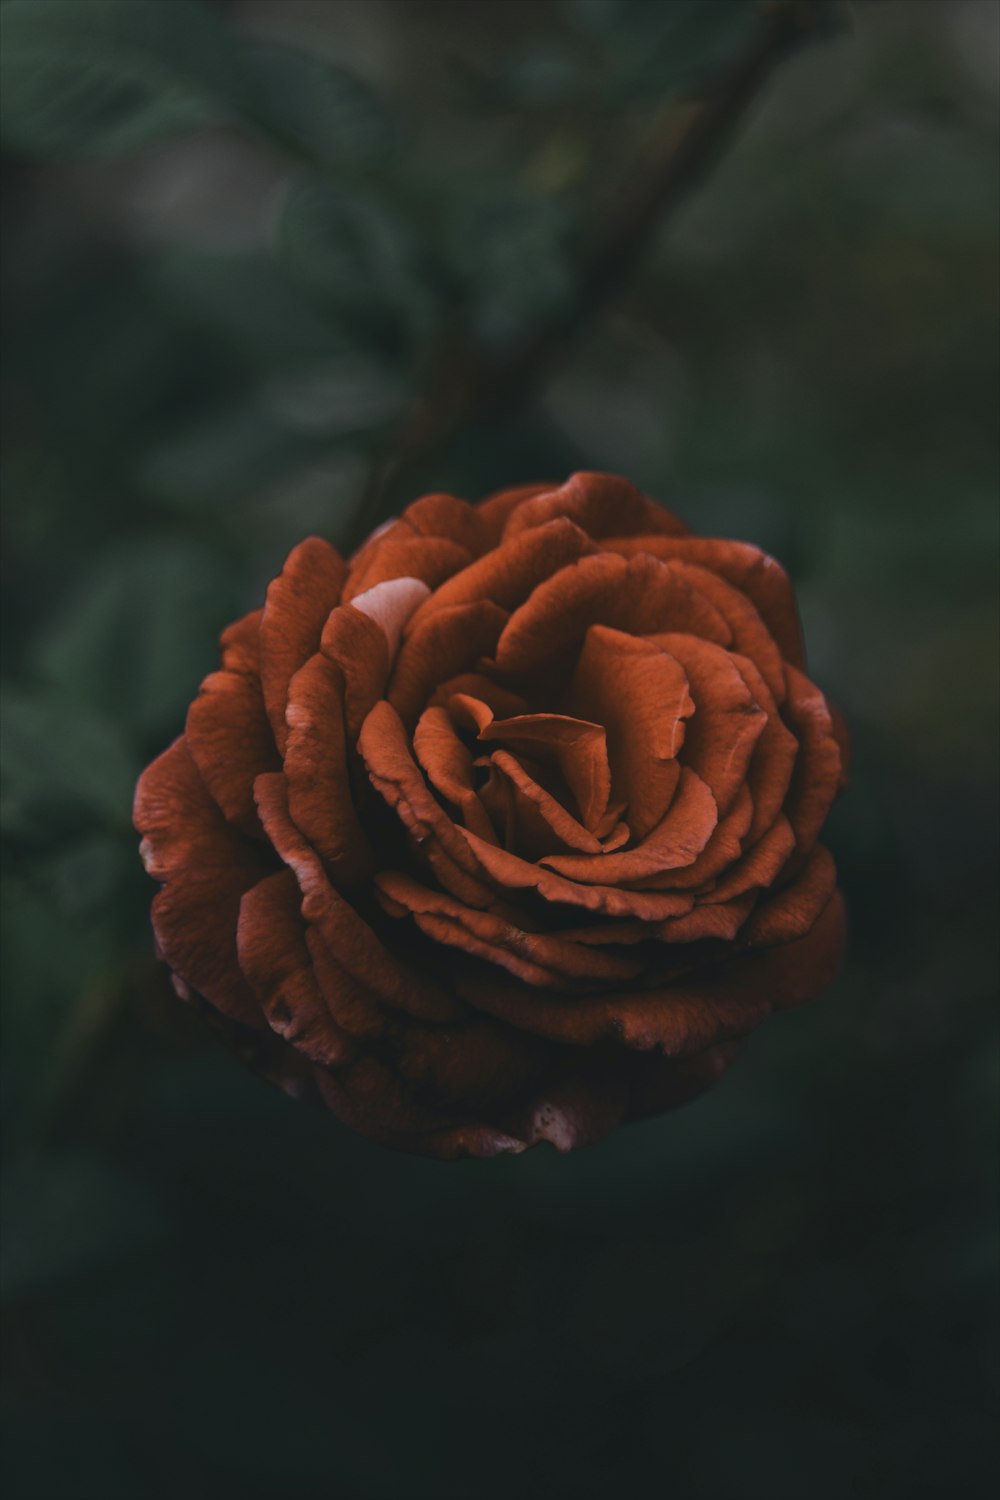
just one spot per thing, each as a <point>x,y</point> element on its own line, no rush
<point>227,268</point>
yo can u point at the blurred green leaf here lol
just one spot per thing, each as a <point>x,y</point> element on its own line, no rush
<point>314,104</point>
<point>63,761</point>
<point>138,634</point>
<point>249,301</point>
<point>353,253</point>
<point>653,51</point>
<point>108,76</point>
<point>511,253</point>
<point>220,456</point>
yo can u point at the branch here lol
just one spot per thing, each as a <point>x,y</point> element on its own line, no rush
<point>464,382</point>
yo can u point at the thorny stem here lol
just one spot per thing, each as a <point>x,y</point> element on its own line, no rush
<point>465,382</point>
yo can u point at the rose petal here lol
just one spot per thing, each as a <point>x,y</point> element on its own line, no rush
<point>639,596</point>
<point>390,605</point>
<point>207,866</point>
<point>791,911</point>
<point>725,846</point>
<point>769,774</point>
<point>748,568</point>
<point>575,748</point>
<point>509,574</point>
<point>541,824</point>
<point>431,559</point>
<point>727,721</point>
<point>230,741</point>
<point>439,647</point>
<point>601,505</point>
<point>394,774</point>
<point>673,843</point>
<point>641,694</point>
<point>748,634</point>
<point>298,603</point>
<point>375,974</point>
<point>240,645</point>
<point>509,870</point>
<point>359,649</point>
<point>320,796</point>
<point>535,957</point>
<point>448,764</point>
<point>273,956</point>
<point>818,770</point>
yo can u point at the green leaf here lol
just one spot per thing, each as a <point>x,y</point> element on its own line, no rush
<point>314,104</point>
<point>248,301</point>
<point>139,634</point>
<point>512,254</point>
<point>351,252</point>
<point>63,763</point>
<point>224,455</point>
<point>108,76</point>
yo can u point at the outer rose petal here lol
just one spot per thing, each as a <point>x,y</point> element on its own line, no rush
<point>818,772</point>
<point>207,866</point>
<point>298,602</point>
<point>230,741</point>
<point>597,503</point>
<point>320,796</point>
<point>754,572</point>
<point>275,959</point>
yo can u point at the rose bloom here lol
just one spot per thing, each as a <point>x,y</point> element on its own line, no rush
<point>505,829</point>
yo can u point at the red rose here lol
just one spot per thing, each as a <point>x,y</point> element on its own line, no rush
<point>506,829</point>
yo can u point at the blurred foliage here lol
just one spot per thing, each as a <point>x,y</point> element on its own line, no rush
<point>237,238</point>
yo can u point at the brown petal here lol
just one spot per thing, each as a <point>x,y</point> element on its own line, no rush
<point>576,748</point>
<point>672,844</point>
<point>207,866</point>
<point>641,695</point>
<point>346,936</point>
<point>298,603</point>
<point>727,721</point>
<point>444,515</point>
<point>601,505</point>
<point>817,775</point>
<point>749,635</point>
<point>639,596</point>
<point>359,649</point>
<point>448,764</point>
<point>754,572</point>
<point>230,741</point>
<point>725,846</point>
<point>541,824</point>
<point>240,645</point>
<point>394,774</point>
<point>273,955</point>
<point>496,509</point>
<point>509,870</point>
<point>320,797</point>
<point>769,774</point>
<point>371,1099</point>
<point>439,646</point>
<point>390,605</point>
<point>719,922</point>
<point>791,912</point>
<point>685,1014</point>
<point>432,559</point>
<point>538,958</point>
<point>508,574</point>
<point>761,864</point>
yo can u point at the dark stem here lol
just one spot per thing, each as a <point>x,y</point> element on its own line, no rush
<point>464,382</point>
